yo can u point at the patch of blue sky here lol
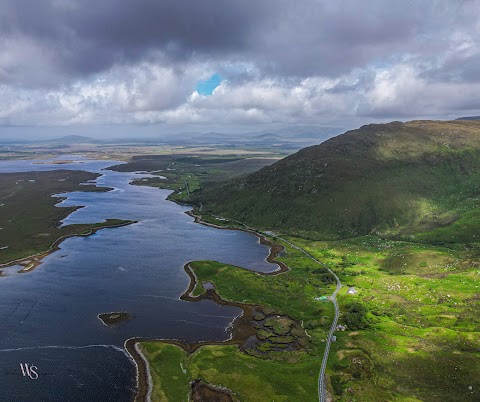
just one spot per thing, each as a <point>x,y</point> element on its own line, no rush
<point>208,86</point>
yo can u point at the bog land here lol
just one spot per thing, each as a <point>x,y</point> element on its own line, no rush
<point>29,218</point>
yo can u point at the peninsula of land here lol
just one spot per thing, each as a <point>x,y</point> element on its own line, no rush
<point>30,220</point>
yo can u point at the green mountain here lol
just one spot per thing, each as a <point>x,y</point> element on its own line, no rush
<point>418,180</point>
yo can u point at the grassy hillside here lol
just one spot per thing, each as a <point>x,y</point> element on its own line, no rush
<point>417,181</point>
<point>186,173</point>
<point>370,204</point>
<point>411,332</point>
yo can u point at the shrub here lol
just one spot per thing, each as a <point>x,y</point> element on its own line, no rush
<point>356,316</point>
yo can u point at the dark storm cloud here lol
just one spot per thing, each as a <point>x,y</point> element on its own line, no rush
<point>89,36</point>
<point>330,38</point>
<point>139,61</point>
<point>457,69</point>
<point>281,37</point>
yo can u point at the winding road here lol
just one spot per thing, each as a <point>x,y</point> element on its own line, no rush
<point>322,389</point>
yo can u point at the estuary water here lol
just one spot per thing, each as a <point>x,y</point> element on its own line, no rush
<point>48,317</point>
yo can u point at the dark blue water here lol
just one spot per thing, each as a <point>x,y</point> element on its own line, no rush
<point>48,317</point>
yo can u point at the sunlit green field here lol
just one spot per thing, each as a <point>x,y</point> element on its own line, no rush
<point>250,378</point>
<point>286,375</point>
<point>423,335</point>
<point>413,328</point>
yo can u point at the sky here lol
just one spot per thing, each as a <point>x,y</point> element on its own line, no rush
<point>132,67</point>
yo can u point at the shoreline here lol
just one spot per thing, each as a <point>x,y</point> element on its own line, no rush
<point>36,259</point>
<point>112,322</point>
<point>239,327</point>
<point>275,248</point>
<point>32,261</point>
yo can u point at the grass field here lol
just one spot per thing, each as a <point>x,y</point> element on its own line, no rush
<point>412,329</point>
<point>250,378</point>
<point>282,362</point>
<point>29,219</point>
<point>420,338</point>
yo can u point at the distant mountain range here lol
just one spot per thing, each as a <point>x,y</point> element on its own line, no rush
<point>406,180</point>
<point>293,137</point>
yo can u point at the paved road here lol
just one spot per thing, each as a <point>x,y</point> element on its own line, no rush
<point>322,390</point>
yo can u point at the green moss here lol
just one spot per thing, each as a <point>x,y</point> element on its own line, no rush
<point>263,334</point>
<point>281,339</point>
<point>280,326</point>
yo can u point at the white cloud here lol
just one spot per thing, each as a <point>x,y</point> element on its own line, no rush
<point>65,62</point>
<point>436,82</point>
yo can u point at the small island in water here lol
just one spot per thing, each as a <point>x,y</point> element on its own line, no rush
<point>114,318</point>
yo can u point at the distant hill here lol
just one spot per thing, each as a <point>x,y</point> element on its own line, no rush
<point>296,134</point>
<point>469,118</point>
<point>71,139</point>
<point>213,134</point>
<point>263,140</point>
<point>308,131</point>
<point>269,137</point>
<point>417,180</point>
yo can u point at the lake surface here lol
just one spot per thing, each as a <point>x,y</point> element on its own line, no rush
<point>48,317</point>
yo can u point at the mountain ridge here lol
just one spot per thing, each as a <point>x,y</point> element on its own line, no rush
<point>407,180</point>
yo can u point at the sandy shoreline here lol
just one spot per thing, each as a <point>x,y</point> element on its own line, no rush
<point>240,325</point>
<point>143,375</point>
